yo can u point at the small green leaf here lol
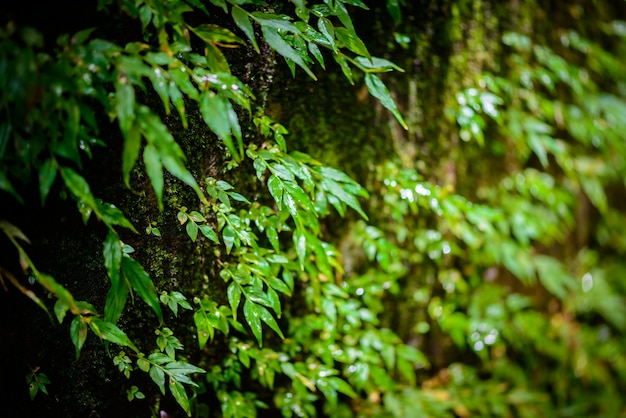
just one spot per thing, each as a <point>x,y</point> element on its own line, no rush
<point>216,34</point>
<point>209,233</point>
<point>141,282</point>
<point>345,67</point>
<point>204,328</point>
<point>47,174</point>
<point>267,317</point>
<point>111,332</point>
<point>112,251</point>
<point>78,333</point>
<point>234,297</point>
<point>79,187</point>
<point>279,45</point>
<point>228,235</point>
<point>343,195</point>
<point>143,364</point>
<point>154,168</point>
<point>178,391</point>
<point>251,312</point>
<point>349,40</point>
<point>241,19</point>
<point>158,376</point>
<point>378,89</point>
<point>376,64</point>
<point>328,30</point>
<point>276,22</point>
<point>192,230</point>
<point>342,386</point>
<point>276,190</point>
<point>299,239</point>
<point>215,111</point>
<point>182,367</point>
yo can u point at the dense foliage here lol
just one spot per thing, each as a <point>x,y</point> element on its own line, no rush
<point>475,272</point>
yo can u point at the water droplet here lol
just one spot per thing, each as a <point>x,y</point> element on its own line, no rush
<point>407,194</point>
<point>421,190</point>
<point>587,282</point>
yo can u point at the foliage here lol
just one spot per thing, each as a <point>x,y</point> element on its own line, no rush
<point>486,267</point>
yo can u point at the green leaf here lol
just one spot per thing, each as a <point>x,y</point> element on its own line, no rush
<point>228,236</point>
<point>345,67</point>
<point>292,207</point>
<point>154,168</point>
<point>274,301</point>
<point>209,233</point>
<point>393,7</point>
<point>328,30</point>
<point>234,297</point>
<point>158,376</point>
<point>251,312</point>
<point>216,111</point>
<point>79,187</point>
<point>267,317</point>
<point>196,216</point>
<point>378,89</point>
<point>315,51</point>
<point>192,230</point>
<point>111,332</point>
<point>349,40</point>
<point>554,276</point>
<point>272,236</point>
<point>140,281</point>
<point>279,45</point>
<point>283,172</point>
<point>143,364</point>
<point>111,215</point>
<point>344,196</point>
<point>47,174</point>
<point>78,333</point>
<point>5,184</point>
<point>204,328</point>
<point>124,103</point>
<point>112,251</point>
<point>279,285</point>
<point>275,22</point>
<point>180,395</point>
<point>376,64</point>
<point>216,60</point>
<point>60,310</point>
<point>216,34</point>
<point>342,386</point>
<point>299,239</point>
<point>182,367</point>
<point>118,292</point>
<point>241,19</point>
<point>276,190</point>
